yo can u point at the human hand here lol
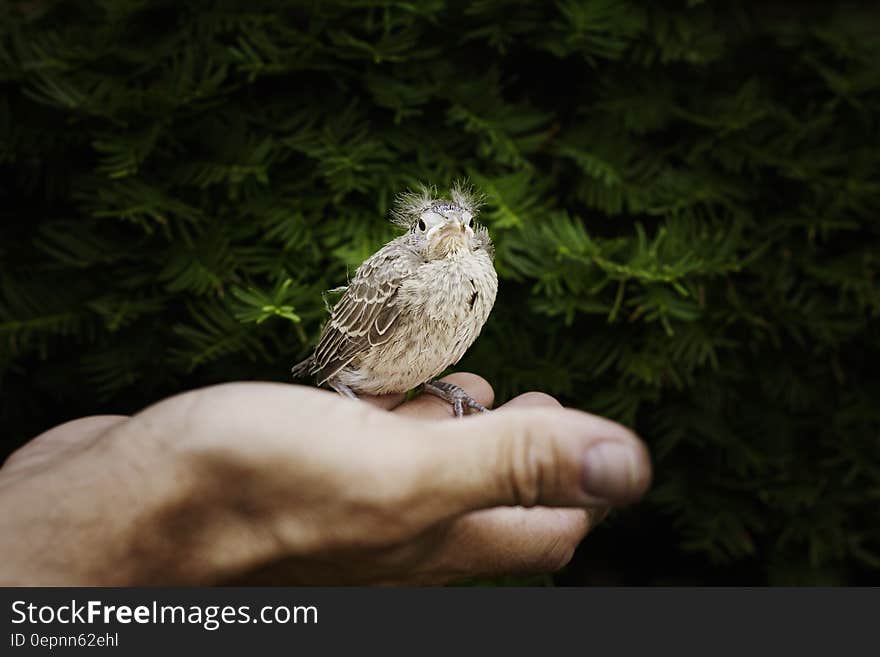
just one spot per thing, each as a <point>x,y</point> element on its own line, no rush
<point>271,483</point>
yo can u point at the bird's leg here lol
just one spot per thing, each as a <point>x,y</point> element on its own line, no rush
<point>342,389</point>
<point>456,396</point>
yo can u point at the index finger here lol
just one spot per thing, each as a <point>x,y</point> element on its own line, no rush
<point>385,402</point>
<point>429,406</point>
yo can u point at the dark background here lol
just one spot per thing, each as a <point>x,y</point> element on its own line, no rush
<point>683,197</point>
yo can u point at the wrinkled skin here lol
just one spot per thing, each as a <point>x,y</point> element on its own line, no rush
<point>271,483</point>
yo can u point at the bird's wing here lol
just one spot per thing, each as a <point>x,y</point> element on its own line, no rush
<point>365,315</point>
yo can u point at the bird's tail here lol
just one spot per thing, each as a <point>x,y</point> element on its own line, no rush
<point>303,369</point>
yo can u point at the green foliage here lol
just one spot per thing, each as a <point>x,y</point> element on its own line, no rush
<point>682,195</point>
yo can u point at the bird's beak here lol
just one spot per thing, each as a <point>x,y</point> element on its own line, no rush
<point>449,237</point>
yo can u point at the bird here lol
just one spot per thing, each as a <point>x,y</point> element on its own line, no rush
<point>414,307</point>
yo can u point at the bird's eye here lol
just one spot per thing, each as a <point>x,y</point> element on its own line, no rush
<point>421,224</point>
<point>470,222</point>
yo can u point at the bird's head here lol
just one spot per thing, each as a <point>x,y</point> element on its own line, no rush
<point>441,228</point>
<point>444,228</point>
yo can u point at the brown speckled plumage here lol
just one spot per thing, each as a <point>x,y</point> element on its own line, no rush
<point>415,306</point>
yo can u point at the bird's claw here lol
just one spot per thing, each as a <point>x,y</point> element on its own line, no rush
<point>342,389</point>
<point>456,396</point>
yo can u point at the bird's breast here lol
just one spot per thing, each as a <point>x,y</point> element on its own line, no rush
<point>444,306</point>
<point>457,289</point>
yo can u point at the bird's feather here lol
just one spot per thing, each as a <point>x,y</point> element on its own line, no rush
<point>365,315</point>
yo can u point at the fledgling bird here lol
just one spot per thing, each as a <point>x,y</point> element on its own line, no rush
<point>414,307</point>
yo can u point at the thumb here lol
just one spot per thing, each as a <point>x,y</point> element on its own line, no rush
<point>529,457</point>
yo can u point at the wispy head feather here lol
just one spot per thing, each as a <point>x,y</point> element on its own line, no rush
<point>465,196</point>
<point>411,204</point>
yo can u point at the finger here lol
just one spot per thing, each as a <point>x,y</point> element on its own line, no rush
<point>512,541</point>
<point>386,402</point>
<point>532,400</point>
<point>503,541</point>
<point>527,457</point>
<point>478,388</point>
<point>431,406</point>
